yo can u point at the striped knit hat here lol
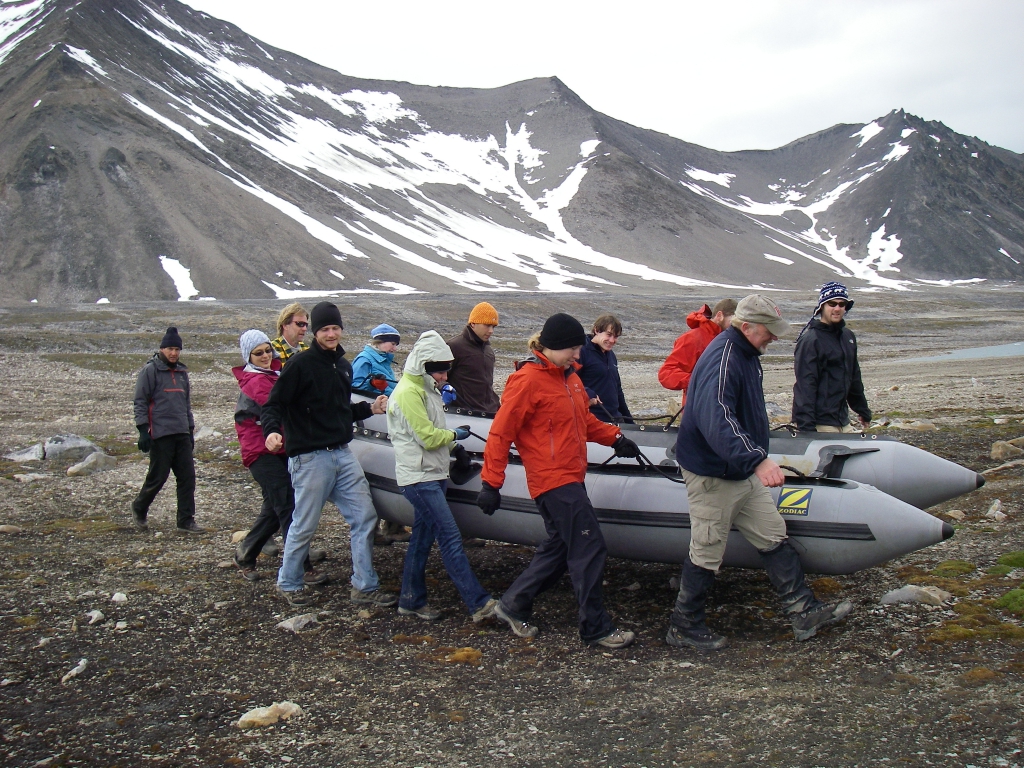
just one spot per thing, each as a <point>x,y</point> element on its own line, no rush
<point>830,291</point>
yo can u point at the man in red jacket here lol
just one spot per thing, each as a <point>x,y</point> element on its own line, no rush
<point>706,323</point>
<point>545,411</point>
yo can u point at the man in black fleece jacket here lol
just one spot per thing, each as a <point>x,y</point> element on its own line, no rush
<point>311,404</point>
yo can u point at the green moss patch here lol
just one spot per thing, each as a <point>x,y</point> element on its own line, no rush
<point>1012,559</point>
<point>950,569</point>
<point>1012,601</point>
<point>999,570</point>
<point>978,676</point>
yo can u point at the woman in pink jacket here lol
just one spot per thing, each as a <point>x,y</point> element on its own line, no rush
<point>256,378</point>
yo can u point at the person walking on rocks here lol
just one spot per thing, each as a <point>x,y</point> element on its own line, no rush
<point>472,373</point>
<point>705,324</point>
<point>373,368</point>
<point>828,382</point>
<point>310,413</point>
<point>546,413</point>
<point>722,449</point>
<point>291,330</point>
<point>269,469</point>
<point>163,416</point>
<point>599,371</point>
<point>422,443</point>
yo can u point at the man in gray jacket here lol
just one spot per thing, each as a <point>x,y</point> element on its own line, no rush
<point>163,416</point>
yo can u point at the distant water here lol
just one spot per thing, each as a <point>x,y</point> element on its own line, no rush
<point>1015,349</point>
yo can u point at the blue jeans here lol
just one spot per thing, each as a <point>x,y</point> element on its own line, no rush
<point>334,475</point>
<point>433,520</point>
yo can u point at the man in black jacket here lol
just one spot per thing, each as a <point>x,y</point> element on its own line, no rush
<point>311,405</point>
<point>722,450</point>
<point>828,381</point>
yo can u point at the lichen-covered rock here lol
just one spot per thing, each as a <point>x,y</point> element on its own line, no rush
<point>1002,451</point>
<point>915,594</point>
<point>299,623</point>
<point>256,718</point>
<point>32,453</point>
<point>68,447</point>
<point>93,463</point>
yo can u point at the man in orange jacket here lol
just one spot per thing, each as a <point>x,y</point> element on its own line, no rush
<point>545,411</point>
<point>706,323</point>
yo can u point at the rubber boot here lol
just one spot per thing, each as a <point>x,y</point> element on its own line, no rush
<point>689,628</point>
<point>807,614</point>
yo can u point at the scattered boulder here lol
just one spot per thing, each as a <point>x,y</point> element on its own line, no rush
<point>237,536</point>
<point>76,671</point>
<point>261,716</point>
<point>10,530</point>
<point>95,617</point>
<point>299,623</point>
<point>205,433</point>
<point>915,594</point>
<point>99,462</point>
<point>1002,450</point>
<point>30,477</point>
<point>919,425</point>
<point>995,511</point>
<point>32,453</point>
<point>955,514</point>
<point>119,597</point>
<point>68,447</point>
<point>1017,442</point>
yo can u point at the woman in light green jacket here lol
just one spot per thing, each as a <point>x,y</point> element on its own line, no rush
<point>422,443</point>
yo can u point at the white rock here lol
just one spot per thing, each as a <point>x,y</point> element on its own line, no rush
<point>68,447</point>
<point>634,587</point>
<point>915,594</point>
<point>202,433</point>
<point>1002,450</point>
<point>1000,420</point>
<point>44,641</point>
<point>121,625</point>
<point>32,453</point>
<point>95,616</point>
<point>260,716</point>
<point>30,477</point>
<point>299,623</point>
<point>10,529</point>
<point>76,671</point>
<point>119,597</point>
<point>237,536</point>
<point>94,462</point>
<point>995,511</point>
<point>956,514</point>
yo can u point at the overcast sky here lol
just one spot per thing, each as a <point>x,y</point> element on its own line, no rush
<point>725,74</point>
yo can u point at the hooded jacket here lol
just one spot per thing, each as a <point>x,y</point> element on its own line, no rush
<point>163,398</point>
<point>724,432</point>
<point>311,403</point>
<point>675,372</point>
<point>255,385</point>
<point>545,411</point>
<point>827,377</point>
<point>472,372</point>
<point>599,371</point>
<point>416,416</point>
<point>369,362</point>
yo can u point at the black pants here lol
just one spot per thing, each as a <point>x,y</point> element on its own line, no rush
<point>574,544</point>
<point>271,472</point>
<point>170,453</point>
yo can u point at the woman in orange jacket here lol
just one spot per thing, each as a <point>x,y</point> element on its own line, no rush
<point>705,324</point>
<point>545,411</point>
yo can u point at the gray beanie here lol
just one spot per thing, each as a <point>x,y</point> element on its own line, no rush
<point>250,340</point>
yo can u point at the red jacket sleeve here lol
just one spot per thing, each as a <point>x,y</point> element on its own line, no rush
<point>675,371</point>
<point>516,407</point>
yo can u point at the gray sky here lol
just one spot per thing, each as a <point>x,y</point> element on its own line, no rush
<point>726,74</point>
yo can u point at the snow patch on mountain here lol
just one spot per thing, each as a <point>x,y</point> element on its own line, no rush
<point>867,133</point>
<point>883,252</point>
<point>17,22</point>
<point>722,179</point>
<point>83,57</point>
<point>181,276</point>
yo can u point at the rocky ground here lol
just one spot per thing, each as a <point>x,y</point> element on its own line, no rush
<point>170,670</point>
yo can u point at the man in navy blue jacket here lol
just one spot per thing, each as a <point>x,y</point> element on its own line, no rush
<point>723,452</point>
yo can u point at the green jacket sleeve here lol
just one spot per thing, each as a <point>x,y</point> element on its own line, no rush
<point>414,409</point>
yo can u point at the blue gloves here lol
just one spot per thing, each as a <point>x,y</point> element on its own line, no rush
<point>448,395</point>
<point>461,433</point>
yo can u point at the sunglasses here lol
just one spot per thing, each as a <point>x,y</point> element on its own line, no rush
<point>300,323</point>
<point>262,352</point>
<point>835,303</point>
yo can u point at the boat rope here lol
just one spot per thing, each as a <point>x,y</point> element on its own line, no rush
<point>794,470</point>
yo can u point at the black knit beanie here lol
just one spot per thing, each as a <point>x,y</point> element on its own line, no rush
<point>171,339</point>
<point>562,331</point>
<point>324,314</point>
<point>437,366</point>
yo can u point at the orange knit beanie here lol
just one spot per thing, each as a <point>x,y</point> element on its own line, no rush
<point>484,314</point>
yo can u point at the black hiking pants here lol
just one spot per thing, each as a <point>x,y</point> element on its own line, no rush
<point>270,470</point>
<point>170,453</point>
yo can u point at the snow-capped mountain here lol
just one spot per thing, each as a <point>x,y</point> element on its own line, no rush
<point>149,151</point>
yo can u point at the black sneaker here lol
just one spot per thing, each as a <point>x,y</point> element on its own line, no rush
<point>140,521</point>
<point>807,624</point>
<point>300,598</point>
<point>618,639</point>
<point>191,527</point>
<point>699,637</point>
<point>315,578</point>
<point>519,628</point>
<point>377,597</point>
<point>424,612</point>
<point>249,572</point>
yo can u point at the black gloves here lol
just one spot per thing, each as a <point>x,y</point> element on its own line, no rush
<point>488,499</point>
<point>192,437</point>
<point>145,441</point>
<point>626,448</point>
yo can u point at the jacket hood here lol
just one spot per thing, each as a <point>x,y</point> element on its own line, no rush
<point>428,347</point>
<point>374,353</point>
<point>701,317</point>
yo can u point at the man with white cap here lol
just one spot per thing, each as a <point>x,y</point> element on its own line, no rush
<point>828,382</point>
<point>722,449</point>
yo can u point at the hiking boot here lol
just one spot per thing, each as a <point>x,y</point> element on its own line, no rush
<point>249,572</point>
<point>317,555</point>
<point>519,628</point>
<point>300,598</point>
<point>425,612</point>
<point>190,527</point>
<point>376,597</point>
<point>699,637</point>
<point>485,612</point>
<point>271,549</point>
<point>139,519</point>
<point>380,540</point>
<point>807,624</point>
<point>618,639</point>
<point>315,578</point>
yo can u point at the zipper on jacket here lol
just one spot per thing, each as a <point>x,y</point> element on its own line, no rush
<point>575,416</point>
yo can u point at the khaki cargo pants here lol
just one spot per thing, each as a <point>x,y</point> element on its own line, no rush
<point>848,429</point>
<point>716,505</point>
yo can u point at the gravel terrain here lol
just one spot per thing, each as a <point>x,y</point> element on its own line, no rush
<point>171,669</point>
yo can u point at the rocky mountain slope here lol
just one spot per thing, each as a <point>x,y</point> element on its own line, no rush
<point>149,151</point>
